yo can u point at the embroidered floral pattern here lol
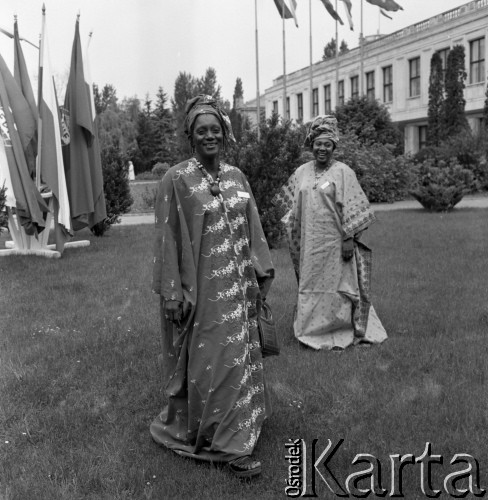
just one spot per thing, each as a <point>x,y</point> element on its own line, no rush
<point>220,226</point>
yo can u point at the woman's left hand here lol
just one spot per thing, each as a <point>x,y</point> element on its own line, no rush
<point>348,248</point>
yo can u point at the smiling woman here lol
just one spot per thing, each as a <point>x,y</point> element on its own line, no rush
<point>325,211</point>
<point>212,267</point>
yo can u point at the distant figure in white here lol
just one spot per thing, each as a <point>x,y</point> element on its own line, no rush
<point>132,176</point>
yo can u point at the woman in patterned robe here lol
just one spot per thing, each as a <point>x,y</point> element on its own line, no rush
<point>212,265</point>
<point>325,210</point>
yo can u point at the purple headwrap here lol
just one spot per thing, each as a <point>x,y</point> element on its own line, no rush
<point>206,104</point>
<point>324,126</point>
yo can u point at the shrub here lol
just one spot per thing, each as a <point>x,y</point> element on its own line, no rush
<point>149,198</point>
<point>440,188</point>
<point>3,209</point>
<point>370,121</point>
<point>383,177</point>
<point>268,163</point>
<point>466,149</point>
<point>118,200</point>
<point>160,169</point>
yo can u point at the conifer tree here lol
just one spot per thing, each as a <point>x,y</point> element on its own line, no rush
<point>436,99</point>
<point>454,117</point>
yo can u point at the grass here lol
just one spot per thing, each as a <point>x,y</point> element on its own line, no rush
<point>143,194</point>
<point>80,383</point>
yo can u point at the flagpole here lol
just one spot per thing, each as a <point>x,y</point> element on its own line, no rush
<point>284,62</point>
<point>337,56</point>
<point>311,59</point>
<point>361,51</point>
<point>258,110</point>
<point>39,99</point>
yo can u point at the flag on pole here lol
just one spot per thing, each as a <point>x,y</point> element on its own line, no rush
<point>287,9</point>
<point>81,152</point>
<point>50,153</point>
<point>389,5</point>
<point>15,128</point>
<point>21,76</point>
<point>332,11</point>
<point>385,14</point>
<point>348,8</point>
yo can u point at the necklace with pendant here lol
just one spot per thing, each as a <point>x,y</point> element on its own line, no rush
<point>318,174</point>
<point>214,183</point>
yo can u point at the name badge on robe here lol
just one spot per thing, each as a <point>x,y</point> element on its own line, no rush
<point>243,194</point>
<point>325,184</point>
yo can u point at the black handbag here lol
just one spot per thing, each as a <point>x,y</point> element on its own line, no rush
<point>268,335</point>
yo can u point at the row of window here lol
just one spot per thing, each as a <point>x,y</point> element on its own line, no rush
<point>476,75</point>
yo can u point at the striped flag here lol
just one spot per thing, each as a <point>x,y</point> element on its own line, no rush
<point>389,5</point>
<point>50,154</point>
<point>16,129</point>
<point>348,8</point>
<point>287,9</point>
<point>21,76</point>
<point>332,11</point>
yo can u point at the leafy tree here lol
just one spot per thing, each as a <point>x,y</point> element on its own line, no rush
<point>436,100</point>
<point>370,121</point>
<point>186,87</point>
<point>147,139</point>
<point>97,97</point>
<point>104,99</point>
<point>454,118</point>
<point>117,125</point>
<point>343,48</point>
<point>331,47</point>
<point>234,115</point>
<point>330,50</point>
<point>163,125</point>
<point>268,163</point>
<point>208,84</point>
<point>118,199</point>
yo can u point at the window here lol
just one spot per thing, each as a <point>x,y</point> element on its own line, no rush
<point>287,108</point>
<point>422,136</point>
<point>315,102</point>
<point>340,93</point>
<point>275,107</point>
<point>388,84</point>
<point>444,53</point>
<point>414,76</point>
<point>477,60</point>
<point>327,99</point>
<point>354,87</point>
<point>300,107</point>
<point>370,92</point>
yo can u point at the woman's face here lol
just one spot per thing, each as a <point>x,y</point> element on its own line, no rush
<point>322,150</point>
<point>207,136</point>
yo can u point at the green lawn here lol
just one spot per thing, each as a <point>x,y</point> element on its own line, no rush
<point>80,383</point>
<point>143,196</point>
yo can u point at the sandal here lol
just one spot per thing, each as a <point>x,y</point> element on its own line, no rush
<point>245,466</point>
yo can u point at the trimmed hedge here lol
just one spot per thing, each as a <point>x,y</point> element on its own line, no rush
<point>440,188</point>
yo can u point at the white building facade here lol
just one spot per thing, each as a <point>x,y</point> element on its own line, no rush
<point>395,70</point>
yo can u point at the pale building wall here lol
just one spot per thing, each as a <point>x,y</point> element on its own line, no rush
<point>457,26</point>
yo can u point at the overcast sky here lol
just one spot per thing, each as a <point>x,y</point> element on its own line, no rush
<point>140,45</point>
